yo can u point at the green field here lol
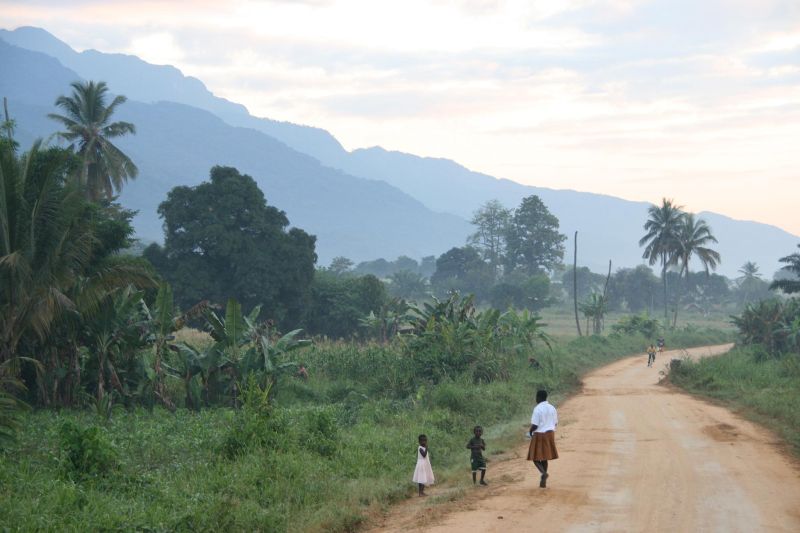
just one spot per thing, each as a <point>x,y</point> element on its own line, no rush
<point>561,320</point>
<point>322,456</point>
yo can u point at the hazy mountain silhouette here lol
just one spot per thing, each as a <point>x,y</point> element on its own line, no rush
<point>149,83</point>
<point>177,144</point>
<point>609,227</point>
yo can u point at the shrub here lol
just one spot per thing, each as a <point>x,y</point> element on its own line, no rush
<point>637,324</point>
<point>85,452</point>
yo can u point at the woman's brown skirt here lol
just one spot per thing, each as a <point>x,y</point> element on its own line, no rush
<point>543,447</point>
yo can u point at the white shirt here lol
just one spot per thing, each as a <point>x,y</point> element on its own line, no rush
<point>544,416</point>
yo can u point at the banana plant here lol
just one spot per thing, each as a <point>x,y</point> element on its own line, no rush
<point>244,346</point>
<point>113,334</point>
<point>164,323</point>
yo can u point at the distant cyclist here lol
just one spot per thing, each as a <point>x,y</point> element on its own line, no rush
<point>651,354</point>
<point>660,344</point>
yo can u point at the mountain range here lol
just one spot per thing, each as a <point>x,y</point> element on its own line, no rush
<point>363,204</point>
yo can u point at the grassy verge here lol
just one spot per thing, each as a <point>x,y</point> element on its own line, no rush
<point>328,452</point>
<point>765,390</point>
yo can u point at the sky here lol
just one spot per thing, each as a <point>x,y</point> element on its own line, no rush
<point>695,100</point>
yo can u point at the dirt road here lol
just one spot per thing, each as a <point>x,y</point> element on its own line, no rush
<point>635,456</point>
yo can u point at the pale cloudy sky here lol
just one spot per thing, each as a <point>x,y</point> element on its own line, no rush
<point>697,100</point>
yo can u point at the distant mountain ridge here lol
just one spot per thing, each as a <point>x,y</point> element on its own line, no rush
<point>177,144</point>
<point>608,227</point>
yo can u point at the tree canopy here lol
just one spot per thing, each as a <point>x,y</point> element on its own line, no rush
<point>223,241</point>
<point>533,242</point>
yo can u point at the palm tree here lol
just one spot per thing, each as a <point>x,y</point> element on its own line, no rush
<point>43,244</point>
<point>750,282</point>
<point>661,242</point>
<point>749,271</point>
<point>694,234</point>
<point>789,285</point>
<point>87,119</point>
<point>52,282</point>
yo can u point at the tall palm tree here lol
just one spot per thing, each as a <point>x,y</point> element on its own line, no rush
<point>789,285</point>
<point>694,236</point>
<point>87,119</point>
<point>44,244</point>
<point>749,271</point>
<point>660,241</point>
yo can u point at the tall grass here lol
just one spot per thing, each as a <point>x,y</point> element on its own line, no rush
<point>326,452</point>
<point>766,389</point>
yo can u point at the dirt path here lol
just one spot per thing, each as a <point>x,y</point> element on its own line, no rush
<point>635,456</point>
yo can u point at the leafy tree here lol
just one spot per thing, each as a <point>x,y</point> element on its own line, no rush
<point>408,284</point>
<point>337,305</point>
<point>340,265</point>
<point>380,268</point>
<point>89,130</point>
<point>661,240</point>
<point>792,284</point>
<point>706,291</point>
<point>636,287</point>
<point>533,243</point>
<point>529,292</point>
<point>588,282</point>
<point>462,269</point>
<point>224,241</point>
<point>491,225</point>
<point>405,263</point>
<point>427,266</point>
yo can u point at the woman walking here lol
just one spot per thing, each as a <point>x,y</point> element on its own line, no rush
<point>544,420</point>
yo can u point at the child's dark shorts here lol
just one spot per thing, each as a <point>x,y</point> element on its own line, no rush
<point>478,463</point>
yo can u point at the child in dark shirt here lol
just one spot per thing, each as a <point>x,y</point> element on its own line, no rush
<point>477,446</point>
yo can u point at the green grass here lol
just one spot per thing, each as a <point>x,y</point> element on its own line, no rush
<point>330,451</point>
<point>561,320</point>
<point>766,391</point>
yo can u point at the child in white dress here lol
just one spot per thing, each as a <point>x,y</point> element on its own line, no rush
<point>423,473</point>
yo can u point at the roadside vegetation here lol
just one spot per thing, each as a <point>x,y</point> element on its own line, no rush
<point>761,376</point>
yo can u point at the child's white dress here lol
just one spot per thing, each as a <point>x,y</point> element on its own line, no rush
<point>423,473</point>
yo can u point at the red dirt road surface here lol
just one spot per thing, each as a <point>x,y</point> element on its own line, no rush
<point>634,456</point>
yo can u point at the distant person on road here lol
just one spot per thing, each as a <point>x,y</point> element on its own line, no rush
<point>477,446</point>
<point>544,421</point>
<point>660,344</point>
<point>423,473</point>
<point>651,354</point>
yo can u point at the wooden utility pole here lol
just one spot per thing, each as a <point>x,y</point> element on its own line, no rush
<point>605,297</point>
<point>575,284</point>
<point>8,125</point>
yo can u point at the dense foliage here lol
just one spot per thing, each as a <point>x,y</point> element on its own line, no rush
<point>59,272</point>
<point>223,241</point>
